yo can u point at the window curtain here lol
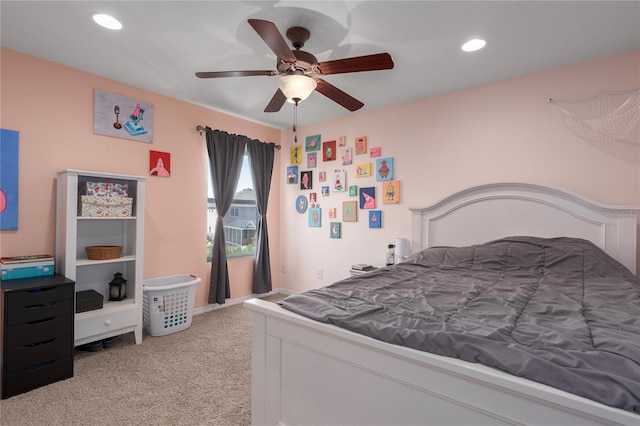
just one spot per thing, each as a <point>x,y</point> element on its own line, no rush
<point>226,152</point>
<point>261,157</point>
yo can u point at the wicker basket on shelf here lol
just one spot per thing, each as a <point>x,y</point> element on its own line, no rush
<point>103,252</point>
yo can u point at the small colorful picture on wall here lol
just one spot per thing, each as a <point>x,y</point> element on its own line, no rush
<point>159,163</point>
<point>363,170</point>
<point>292,174</point>
<point>312,143</point>
<point>353,191</point>
<point>306,180</point>
<point>332,212</point>
<point>342,141</point>
<point>122,117</point>
<point>322,176</point>
<point>311,159</point>
<point>301,204</point>
<point>9,151</point>
<point>346,154</point>
<point>339,181</point>
<point>325,190</point>
<point>329,151</point>
<point>368,197</point>
<point>375,152</point>
<point>334,230</point>
<point>313,199</point>
<point>361,145</point>
<point>315,217</point>
<point>295,155</point>
<point>375,219</point>
<point>384,169</point>
<point>349,211</point>
<point>391,192</point>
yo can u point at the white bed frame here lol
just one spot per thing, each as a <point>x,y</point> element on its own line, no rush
<point>309,373</point>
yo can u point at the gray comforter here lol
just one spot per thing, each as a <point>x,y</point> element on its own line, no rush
<point>557,311</point>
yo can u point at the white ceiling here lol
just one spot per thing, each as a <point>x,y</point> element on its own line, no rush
<point>164,43</point>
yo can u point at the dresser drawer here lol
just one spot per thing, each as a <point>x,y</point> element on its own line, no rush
<point>43,374</point>
<point>93,323</point>
<point>37,312</point>
<point>39,331</point>
<point>39,296</point>
<point>30,355</point>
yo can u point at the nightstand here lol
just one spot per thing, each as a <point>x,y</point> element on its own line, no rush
<point>37,332</point>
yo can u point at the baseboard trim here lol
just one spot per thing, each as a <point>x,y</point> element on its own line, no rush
<point>215,306</point>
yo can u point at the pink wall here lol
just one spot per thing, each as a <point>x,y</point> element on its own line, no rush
<point>495,132</point>
<point>52,108</point>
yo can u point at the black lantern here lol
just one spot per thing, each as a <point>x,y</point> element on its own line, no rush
<point>117,287</point>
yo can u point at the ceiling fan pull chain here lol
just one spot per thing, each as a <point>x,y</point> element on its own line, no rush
<point>295,122</point>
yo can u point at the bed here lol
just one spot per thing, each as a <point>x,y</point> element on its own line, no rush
<point>308,372</point>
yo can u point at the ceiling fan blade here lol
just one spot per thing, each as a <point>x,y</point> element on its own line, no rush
<point>378,61</point>
<point>216,74</point>
<point>276,102</point>
<point>270,34</point>
<point>337,95</point>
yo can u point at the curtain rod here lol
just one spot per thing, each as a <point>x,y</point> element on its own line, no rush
<point>201,129</point>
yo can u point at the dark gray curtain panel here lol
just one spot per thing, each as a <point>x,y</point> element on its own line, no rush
<point>226,152</point>
<point>261,156</point>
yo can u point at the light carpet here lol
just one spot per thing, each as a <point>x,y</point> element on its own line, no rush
<point>197,376</point>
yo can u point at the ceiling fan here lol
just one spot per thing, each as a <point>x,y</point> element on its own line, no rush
<point>300,70</point>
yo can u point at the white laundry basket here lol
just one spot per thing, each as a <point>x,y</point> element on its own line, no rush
<point>168,303</point>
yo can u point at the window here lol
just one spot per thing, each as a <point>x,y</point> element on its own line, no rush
<point>240,221</point>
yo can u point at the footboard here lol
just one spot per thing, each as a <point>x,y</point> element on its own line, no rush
<point>305,372</point>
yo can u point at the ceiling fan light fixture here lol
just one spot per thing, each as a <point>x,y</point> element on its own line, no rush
<point>296,86</point>
<point>473,45</point>
<point>106,21</point>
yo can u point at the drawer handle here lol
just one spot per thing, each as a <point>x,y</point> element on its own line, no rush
<point>44,364</point>
<point>42,320</point>
<point>42,305</point>
<point>107,322</point>
<point>44,342</point>
<point>41,290</point>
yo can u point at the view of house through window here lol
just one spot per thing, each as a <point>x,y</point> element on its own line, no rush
<point>241,219</point>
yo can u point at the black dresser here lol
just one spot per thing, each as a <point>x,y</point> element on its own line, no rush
<point>37,332</point>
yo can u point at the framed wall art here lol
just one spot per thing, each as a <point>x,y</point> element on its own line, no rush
<point>342,141</point>
<point>353,190</point>
<point>375,219</point>
<point>301,204</point>
<point>384,169</point>
<point>368,197</point>
<point>313,199</point>
<point>339,181</point>
<point>335,229</point>
<point>322,176</point>
<point>295,155</point>
<point>306,180</point>
<point>312,143</point>
<point>9,151</point>
<point>292,174</point>
<point>159,163</point>
<point>349,211</point>
<point>315,217</point>
<point>363,170</point>
<point>332,212</point>
<point>325,190</point>
<point>346,154</point>
<point>391,192</point>
<point>361,145</point>
<point>312,159</point>
<point>375,152</point>
<point>122,117</point>
<point>329,151</point>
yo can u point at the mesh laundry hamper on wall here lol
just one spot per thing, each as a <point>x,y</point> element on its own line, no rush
<point>168,303</point>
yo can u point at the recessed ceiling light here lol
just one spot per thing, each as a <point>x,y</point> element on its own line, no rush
<point>473,45</point>
<point>107,21</point>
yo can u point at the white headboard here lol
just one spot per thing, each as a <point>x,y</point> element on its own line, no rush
<point>487,212</point>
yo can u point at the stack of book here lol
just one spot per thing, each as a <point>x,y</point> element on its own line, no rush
<point>26,266</point>
<point>362,267</point>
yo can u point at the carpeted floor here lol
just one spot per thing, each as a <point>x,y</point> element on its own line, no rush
<point>198,376</point>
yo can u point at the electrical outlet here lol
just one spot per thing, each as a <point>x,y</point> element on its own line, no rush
<point>319,274</point>
<point>282,268</point>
